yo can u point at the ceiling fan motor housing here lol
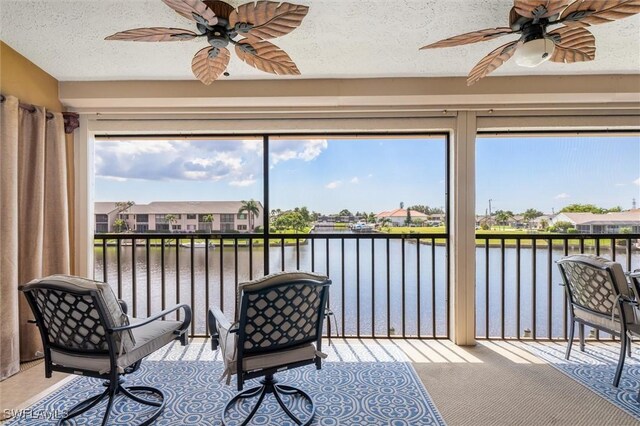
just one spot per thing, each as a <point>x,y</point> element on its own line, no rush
<point>537,47</point>
<point>218,37</point>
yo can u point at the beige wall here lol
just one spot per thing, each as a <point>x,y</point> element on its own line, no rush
<point>23,79</point>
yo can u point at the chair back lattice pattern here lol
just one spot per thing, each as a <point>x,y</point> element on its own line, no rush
<point>282,316</point>
<point>70,321</point>
<point>591,287</point>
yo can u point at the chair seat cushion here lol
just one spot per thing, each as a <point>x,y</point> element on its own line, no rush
<point>149,338</point>
<point>604,321</point>
<point>278,358</point>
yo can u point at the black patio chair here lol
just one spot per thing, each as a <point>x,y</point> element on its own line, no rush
<point>85,331</point>
<point>600,297</point>
<point>278,327</point>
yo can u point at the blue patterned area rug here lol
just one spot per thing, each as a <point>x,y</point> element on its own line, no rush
<point>367,393</point>
<point>595,369</point>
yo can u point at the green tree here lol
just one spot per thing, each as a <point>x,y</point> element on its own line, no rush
<point>172,219</point>
<point>530,215</point>
<point>123,208</point>
<point>588,208</point>
<point>119,225</point>
<point>426,209</point>
<point>407,221</point>
<point>290,220</point>
<point>252,209</point>
<point>503,216</point>
<point>563,226</point>
<point>344,212</point>
<point>208,220</point>
<point>544,224</point>
<point>385,222</point>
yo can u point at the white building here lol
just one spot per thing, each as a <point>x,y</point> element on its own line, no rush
<point>607,223</point>
<point>398,217</point>
<point>189,216</point>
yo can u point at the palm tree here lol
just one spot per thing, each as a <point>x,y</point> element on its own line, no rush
<point>251,208</point>
<point>502,216</point>
<point>530,215</point>
<point>208,219</point>
<point>385,222</point>
<point>172,219</point>
<point>123,207</point>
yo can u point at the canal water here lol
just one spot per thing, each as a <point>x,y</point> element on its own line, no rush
<point>376,282</point>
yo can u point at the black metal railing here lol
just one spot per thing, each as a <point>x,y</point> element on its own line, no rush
<point>384,285</point>
<point>518,295</point>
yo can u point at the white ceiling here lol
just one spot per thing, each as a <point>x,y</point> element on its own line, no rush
<point>337,39</point>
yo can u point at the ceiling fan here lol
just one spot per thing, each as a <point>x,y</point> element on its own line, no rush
<point>530,18</point>
<point>220,24</point>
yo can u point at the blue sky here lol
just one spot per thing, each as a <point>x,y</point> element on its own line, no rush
<point>551,172</point>
<point>328,175</point>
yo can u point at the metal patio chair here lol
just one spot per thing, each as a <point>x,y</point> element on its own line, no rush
<point>85,331</point>
<point>600,297</point>
<point>278,327</point>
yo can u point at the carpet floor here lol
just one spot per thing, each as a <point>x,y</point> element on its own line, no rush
<point>344,393</point>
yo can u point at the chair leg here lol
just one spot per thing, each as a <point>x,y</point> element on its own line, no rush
<point>269,386</point>
<point>581,335</point>
<point>623,354</point>
<point>111,393</point>
<point>629,346</point>
<point>84,406</point>
<point>570,342</point>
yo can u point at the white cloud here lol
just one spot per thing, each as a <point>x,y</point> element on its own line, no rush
<point>334,184</point>
<point>204,160</point>
<point>561,196</point>
<point>306,150</point>
<point>243,182</point>
<point>637,182</point>
<point>355,180</point>
<point>114,178</point>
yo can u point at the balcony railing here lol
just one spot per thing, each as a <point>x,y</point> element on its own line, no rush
<point>384,285</point>
<point>517,282</point>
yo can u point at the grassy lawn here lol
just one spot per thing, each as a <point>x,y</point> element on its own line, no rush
<point>496,230</point>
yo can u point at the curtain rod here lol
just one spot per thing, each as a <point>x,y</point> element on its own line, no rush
<point>71,121</point>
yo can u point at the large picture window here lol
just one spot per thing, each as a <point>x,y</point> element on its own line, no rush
<point>539,198</point>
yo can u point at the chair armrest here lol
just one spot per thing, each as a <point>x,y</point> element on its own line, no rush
<point>185,323</point>
<point>123,306</point>
<point>634,283</point>
<point>218,321</point>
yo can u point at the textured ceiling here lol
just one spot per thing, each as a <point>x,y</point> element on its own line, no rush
<point>337,39</point>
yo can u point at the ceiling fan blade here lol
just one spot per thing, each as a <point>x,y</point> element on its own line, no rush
<point>269,19</point>
<point>208,69</point>
<point>267,57</point>
<point>585,13</point>
<point>188,8</point>
<point>573,44</point>
<point>539,8</point>
<point>153,34</point>
<point>220,8</point>
<point>468,38</point>
<point>492,61</point>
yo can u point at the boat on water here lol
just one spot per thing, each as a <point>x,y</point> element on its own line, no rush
<point>361,226</point>
<point>198,245</point>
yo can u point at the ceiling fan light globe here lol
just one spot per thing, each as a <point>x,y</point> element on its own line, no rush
<point>534,52</point>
